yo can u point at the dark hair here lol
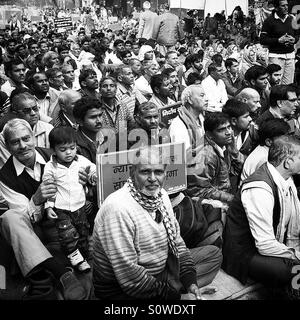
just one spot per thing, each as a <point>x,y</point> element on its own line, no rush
<point>193,77</point>
<point>84,74</point>
<point>157,81</point>
<point>62,48</point>
<point>124,53</point>
<point>214,120</point>
<point>84,104</point>
<point>272,128</point>
<point>117,42</point>
<point>52,72</point>
<point>31,42</point>
<point>255,72</point>
<point>182,50</point>
<point>61,135</point>
<point>229,62</point>
<point>169,53</point>
<point>273,67</point>
<point>212,67</point>
<point>8,66</point>
<point>166,72</point>
<point>192,58</point>
<point>30,79</point>
<point>276,3</point>
<point>144,105</point>
<point>19,46</point>
<point>235,108</point>
<point>217,59</point>
<point>108,78</point>
<point>279,92</point>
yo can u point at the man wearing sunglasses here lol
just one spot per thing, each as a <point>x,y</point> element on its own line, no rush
<point>24,106</point>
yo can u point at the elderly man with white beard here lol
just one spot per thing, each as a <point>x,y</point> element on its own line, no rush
<point>138,250</point>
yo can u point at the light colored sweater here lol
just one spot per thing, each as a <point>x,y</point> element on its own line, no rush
<point>130,249</point>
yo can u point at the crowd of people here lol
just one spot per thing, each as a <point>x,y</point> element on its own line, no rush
<point>67,96</point>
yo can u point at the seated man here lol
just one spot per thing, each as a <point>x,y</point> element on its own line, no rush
<point>232,78</point>
<point>147,129</point>
<point>188,127</point>
<point>243,131</point>
<point>88,114</point>
<point>46,97</point>
<point>283,105</point>
<point>252,98</point>
<point>256,77</point>
<point>261,237</point>
<point>24,106</point>
<point>66,102</point>
<point>138,250</point>
<point>177,88</point>
<point>162,90</point>
<point>21,187</point>
<point>267,132</point>
<point>275,73</point>
<point>209,170</point>
<point>214,88</point>
<point>89,84</point>
<point>15,71</point>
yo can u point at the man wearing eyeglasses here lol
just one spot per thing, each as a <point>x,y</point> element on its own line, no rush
<point>283,105</point>
<point>24,106</point>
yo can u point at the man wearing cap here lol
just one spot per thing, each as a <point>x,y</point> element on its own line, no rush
<point>146,22</point>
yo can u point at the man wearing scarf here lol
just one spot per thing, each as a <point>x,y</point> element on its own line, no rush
<point>261,237</point>
<point>188,126</point>
<point>138,250</point>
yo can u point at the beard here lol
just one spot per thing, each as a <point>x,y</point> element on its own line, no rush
<point>149,194</point>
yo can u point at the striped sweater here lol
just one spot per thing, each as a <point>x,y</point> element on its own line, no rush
<point>130,249</point>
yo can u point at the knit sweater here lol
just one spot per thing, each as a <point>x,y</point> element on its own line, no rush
<point>131,249</point>
<point>272,30</point>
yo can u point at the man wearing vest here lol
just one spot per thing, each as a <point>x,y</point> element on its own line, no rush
<point>21,186</point>
<point>261,236</point>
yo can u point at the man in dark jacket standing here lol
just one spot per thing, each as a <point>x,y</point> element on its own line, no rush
<point>279,35</point>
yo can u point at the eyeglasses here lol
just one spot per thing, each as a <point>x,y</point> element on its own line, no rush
<point>28,110</point>
<point>293,100</point>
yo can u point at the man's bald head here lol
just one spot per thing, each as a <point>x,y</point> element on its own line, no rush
<point>251,97</point>
<point>67,100</point>
<point>194,96</point>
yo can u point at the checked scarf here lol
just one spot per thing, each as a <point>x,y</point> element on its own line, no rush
<point>156,203</point>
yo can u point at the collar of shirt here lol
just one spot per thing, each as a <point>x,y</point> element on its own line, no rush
<point>111,109</point>
<point>278,18</point>
<point>218,148</point>
<point>53,160</point>
<point>212,80</point>
<point>73,125</point>
<point>46,97</point>
<point>38,129</point>
<point>87,137</point>
<point>123,90</point>
<point>275,113</point>
<point>283,184</point>
<point>232,77</point>
<point>20,166</point>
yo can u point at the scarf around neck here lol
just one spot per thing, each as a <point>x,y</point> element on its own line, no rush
<point>154,204</point>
